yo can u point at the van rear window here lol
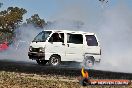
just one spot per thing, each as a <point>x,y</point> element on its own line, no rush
<point>91,40</point>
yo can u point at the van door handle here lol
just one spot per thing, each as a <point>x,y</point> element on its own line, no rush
<point>68,45</point>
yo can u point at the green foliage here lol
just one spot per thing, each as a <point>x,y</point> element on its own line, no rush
<point>36,21</point>
<point>11,18</point>
<point>5,37</point>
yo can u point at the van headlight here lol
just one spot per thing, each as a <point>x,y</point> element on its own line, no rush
<point>30,48</point>
<point>41,49</point>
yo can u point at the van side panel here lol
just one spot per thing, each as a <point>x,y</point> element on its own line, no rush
<point>92,47</point>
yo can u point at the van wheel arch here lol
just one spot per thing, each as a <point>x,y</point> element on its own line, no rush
<point>55,60</point>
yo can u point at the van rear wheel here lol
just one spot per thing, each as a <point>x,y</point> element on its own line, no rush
<point>54,60</point>
<point>88,61</point>
<point>41,62</point>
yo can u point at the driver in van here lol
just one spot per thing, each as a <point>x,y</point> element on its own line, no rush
<point>56,37</point>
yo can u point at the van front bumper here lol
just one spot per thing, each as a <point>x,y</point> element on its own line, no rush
<point>36,55</point>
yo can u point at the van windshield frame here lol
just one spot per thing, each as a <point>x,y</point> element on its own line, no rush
<point>42,36</point>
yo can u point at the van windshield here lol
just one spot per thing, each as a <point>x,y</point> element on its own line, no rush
<point>42,36</point>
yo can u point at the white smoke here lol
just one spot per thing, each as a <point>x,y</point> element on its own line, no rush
<point>116,39</point>
<point>19,50</point>
<point>113,26</point>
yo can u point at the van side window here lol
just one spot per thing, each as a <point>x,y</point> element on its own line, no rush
<point>91,40</point>
<point>57,37</point>
<point>75,38</point>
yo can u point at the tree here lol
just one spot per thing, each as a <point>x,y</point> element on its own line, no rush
<point>11,18</point>
<point>36,21</point>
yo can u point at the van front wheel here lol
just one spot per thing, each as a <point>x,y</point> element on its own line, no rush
<point>54,60</point>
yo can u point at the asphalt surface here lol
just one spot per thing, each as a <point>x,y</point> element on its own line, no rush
<point>64,70</point>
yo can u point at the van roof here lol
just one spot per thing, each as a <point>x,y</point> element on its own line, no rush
<point>68,31</point>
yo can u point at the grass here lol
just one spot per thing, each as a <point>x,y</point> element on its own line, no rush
<point>22,80</point>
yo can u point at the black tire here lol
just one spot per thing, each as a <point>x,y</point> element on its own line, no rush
<point>89,61</point>
<point>54,60</point>
<point>41,62</point>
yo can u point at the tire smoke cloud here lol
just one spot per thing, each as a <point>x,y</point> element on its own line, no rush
<point>113,26</point>
<point>18,51</point>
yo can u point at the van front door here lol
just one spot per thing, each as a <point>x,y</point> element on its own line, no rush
<point>55,45</point>
<point>74,49</point>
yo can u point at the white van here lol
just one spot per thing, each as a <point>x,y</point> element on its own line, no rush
<point>55,46</point>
